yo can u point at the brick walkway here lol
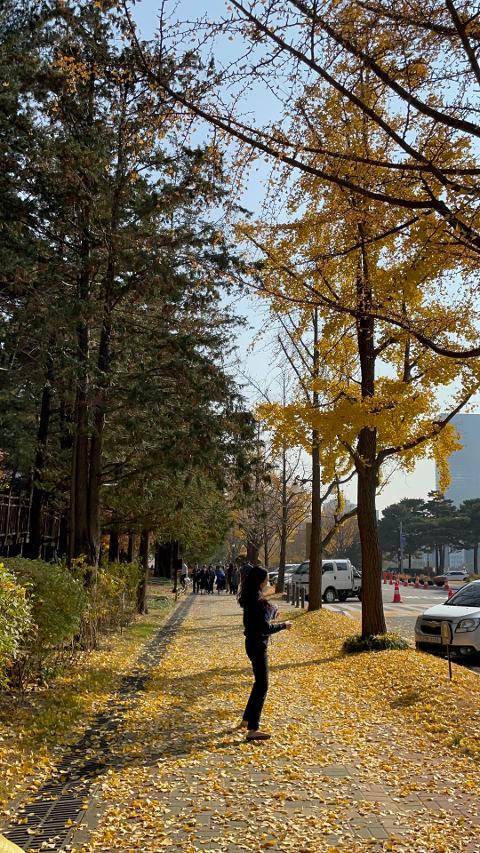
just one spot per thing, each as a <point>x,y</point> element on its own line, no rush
<point>188,783</point>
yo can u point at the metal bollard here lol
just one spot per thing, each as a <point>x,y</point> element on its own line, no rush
<point>302,598</point>
<point>288,591</point>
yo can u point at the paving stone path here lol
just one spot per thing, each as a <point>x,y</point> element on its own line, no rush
<point>173,775</point>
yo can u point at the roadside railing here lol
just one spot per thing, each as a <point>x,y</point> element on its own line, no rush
<point>295,594</point>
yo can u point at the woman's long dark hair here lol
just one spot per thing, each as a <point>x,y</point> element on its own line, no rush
<point>250,588</point>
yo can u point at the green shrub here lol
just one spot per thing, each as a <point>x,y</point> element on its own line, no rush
<point>111,599</point>
<point>57,598</point>
<point>374,643</point>
<point>15,620</point>
<point>57,602</point>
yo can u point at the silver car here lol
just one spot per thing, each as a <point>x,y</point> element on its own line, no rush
<point>462,612</point>
<point>289,568</point>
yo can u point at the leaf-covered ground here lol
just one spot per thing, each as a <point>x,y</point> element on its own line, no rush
<point>36,726</point>
<point>369,752</point>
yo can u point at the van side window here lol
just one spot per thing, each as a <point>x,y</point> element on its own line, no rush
<point>342,567</point>
<point>328,567</point>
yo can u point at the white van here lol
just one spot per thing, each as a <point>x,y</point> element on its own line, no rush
<point>337,580</point>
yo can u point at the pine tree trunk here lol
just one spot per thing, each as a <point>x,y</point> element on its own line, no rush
<point>142,586</point>
<point>131,548</point>
<point>113,546</point>
<point>79,516</point>
<point>80,481</point>
<point>96,440</point>
<point>33,548</point>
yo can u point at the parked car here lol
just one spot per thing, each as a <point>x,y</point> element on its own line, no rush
<point>289,568</point>
<point>462,612</point>
<point>453,575</point>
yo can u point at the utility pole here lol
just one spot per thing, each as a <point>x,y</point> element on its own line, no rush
<point>401,546</point>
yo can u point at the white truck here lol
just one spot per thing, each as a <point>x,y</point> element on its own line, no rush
<point>339,579</point>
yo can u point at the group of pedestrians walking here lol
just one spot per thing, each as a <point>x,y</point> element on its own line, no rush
<point>207,579</point>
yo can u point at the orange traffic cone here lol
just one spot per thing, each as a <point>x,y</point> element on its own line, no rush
<point>384,577</point>
<point>417,583</point>
<point>450,592</point>
<point>396,595</point>
<point>405,582</point>
<point>391,580</point>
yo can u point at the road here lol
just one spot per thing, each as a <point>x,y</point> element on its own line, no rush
<point>400,617</point>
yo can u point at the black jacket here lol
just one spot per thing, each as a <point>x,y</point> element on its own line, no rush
<point>256,624</point>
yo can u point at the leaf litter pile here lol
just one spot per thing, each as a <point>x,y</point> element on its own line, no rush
<point>369,752</point>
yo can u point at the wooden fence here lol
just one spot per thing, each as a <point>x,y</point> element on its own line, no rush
<point>15,521</point>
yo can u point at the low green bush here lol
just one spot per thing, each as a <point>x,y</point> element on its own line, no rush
<point>15,620</point>
<point>111,599</point>
<point>374,643</point>
<point>57,603</point>
<point>47,613</point>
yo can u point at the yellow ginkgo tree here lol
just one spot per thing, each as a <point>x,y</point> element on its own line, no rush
<point>380,394</point>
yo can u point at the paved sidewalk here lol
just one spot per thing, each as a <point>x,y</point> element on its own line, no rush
<point>325,782</point>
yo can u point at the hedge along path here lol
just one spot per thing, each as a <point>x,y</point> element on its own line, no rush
<point>47,819</point>
<point>362,758</point>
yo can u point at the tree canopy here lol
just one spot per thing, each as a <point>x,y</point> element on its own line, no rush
<point>118,402</point>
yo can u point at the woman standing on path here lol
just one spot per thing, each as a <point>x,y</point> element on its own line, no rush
<point>257,613</point>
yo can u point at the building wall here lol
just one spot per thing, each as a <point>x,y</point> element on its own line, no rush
<point>465,463</point>
<point>464,476</point>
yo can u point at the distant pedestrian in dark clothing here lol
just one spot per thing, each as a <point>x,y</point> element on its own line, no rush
<point>203,580</point>
<point>257,616</point>
<point>210,579</point>
<point>234,580</point>
<point>228,574</point>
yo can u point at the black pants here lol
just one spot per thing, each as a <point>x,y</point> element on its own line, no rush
<point>257,652</point>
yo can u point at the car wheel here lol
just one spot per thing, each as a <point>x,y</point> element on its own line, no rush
<point>342,596</point>
<point>329,595</point>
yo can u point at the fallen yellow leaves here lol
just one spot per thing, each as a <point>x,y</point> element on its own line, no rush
<point>362,756</point>
<point>35,728</point>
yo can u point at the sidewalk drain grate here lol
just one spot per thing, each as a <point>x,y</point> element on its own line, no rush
<point>55,811</point>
